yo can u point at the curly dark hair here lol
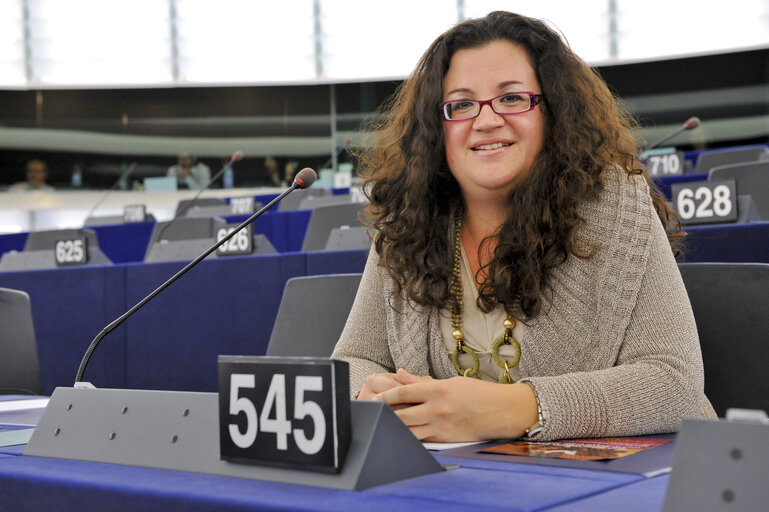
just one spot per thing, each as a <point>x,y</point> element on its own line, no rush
<point>413,195</point>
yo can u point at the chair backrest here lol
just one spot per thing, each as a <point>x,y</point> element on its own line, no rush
<point>112,220</point>
<point>295,198</point>
<point>347,238</point>
<point>312,202</point>
<point>312,314</point>
<point>752,178</point>
<point>19,366</point>
<point>729,156</point>
<point>40,250</point>
<point>186,228</point>
<point>326,218</point>
<point>730,303</point>
<point>46,240</point>
<point>185,205</point>
<point>182,238</point>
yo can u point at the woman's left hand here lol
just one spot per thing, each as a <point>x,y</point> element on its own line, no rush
<point>461,408</point>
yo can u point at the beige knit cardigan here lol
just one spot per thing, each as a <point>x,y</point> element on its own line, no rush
<point>614,351</point>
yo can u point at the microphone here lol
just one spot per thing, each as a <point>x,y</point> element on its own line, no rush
<point>238,155</point>
<point>690,124</point>
<point>304,179</point>
<point>131,168</point>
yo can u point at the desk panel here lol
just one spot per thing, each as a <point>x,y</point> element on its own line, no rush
<point>336,262</point>
<point>737,243</point>
<point>641,496</point>
<point>222,306</point>
<point>124,243</point>
<point>69,308</point>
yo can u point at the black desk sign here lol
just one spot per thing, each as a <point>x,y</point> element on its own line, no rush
<point>701,202</point>
<point>665,162</point>
<point>241,243</point>
<point>134,213</point>
<point>71,251</point>
<point>243,205</point>
<point>291,412</point>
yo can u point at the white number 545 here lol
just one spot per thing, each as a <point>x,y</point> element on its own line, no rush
<point>277,424</point>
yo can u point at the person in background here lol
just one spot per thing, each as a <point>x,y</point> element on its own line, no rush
<point>189,172</point>
<point>37,173</point>
<point>522,280</point>
<point>271,165</point>
<point>290,170</point>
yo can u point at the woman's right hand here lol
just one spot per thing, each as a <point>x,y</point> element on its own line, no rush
<point>378,383</point>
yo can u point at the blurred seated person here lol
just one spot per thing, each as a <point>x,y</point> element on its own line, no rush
<point>37,173</point>
<point>190,173</point>
<point>272,170</point>
<point>290,170</point>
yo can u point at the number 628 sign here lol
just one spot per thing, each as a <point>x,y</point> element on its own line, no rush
<point>284,411</point>
<point>701,202</point>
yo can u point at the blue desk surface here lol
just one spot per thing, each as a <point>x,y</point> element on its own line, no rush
<point>38,483</point>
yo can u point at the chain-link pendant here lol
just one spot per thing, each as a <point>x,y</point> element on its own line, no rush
<point>506,339</point>
<point>466,372</point>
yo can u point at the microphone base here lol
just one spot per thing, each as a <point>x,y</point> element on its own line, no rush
<point>180,431</point>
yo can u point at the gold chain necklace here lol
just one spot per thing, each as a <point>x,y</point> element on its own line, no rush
<point>456,323</point>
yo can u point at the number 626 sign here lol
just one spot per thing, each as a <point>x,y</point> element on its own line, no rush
<point>290,412</point>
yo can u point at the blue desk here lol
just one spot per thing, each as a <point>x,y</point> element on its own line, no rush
<point>127,243</point>
<point>39,483</point>
<point>223,306</point>
<point>32,483</point>
<point>728,243</point>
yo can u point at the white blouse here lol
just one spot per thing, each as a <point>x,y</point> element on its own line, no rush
<point>481,331</point>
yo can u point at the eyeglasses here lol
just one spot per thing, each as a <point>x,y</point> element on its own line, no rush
<point>506,104</point>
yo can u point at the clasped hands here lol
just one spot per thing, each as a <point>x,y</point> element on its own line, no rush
<point>454,410</point>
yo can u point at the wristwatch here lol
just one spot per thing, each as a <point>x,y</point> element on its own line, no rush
<point>539,426</point>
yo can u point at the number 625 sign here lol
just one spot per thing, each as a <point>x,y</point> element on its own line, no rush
<point>284,411</point>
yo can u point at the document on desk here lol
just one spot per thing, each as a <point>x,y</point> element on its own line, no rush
<point>15,437</point>
<point>23,405</point>
<point>605,448</point>
<point>438,447</point>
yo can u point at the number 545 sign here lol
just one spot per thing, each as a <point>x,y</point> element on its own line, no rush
<point>284,411</point>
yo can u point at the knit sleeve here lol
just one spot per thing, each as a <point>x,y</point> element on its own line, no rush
<point>363,343</point>
<point>645,371</point>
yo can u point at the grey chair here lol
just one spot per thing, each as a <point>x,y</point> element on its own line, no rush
<point>112,220</point>
<point>751,178</point>
<point>184,206</point>
<point>312,202</point>
<point>312,314</point>
<point>347,238</point>
<point>730,156</point>
<point>730,303</point>
<point>325,218</point>
<point>295,198</point>
<point>182,238</point>
<point>19,366</point>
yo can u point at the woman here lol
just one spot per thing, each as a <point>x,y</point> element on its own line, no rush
<point>518,241</point>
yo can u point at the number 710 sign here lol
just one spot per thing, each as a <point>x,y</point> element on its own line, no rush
<point>284,411</point>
